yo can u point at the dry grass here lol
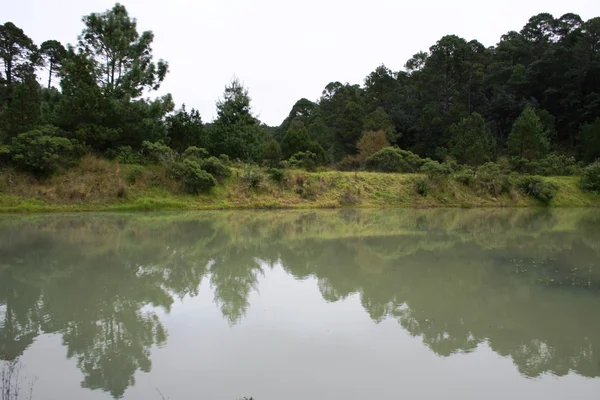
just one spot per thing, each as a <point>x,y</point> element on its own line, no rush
<point>98,184</point>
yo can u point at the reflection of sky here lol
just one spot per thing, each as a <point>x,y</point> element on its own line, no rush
<point>293,345</point>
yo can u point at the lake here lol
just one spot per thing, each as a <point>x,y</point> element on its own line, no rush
<point>328,304</point>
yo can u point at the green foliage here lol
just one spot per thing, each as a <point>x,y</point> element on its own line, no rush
<point>379,120</point>
<point>303,159</point>
<point>472,142</point>
<point>551,165</point>
<point>528,139</point>
<point>196,153</point>
<point>391,159</point>
<point>236,132</point>
<point>159,153</point>
<point>194,178</point>
<point>535,186</point>
<point>215,167</point>
<point>465,176</point>
<point>134,174</point>
<point>225,159</point>
<point>491,178</point>
<point>126,155</point>
<point>422,186</point>
<point>277,174</point>
<point>111,39</point>
<point>185,130</point>
<point>590,180</point>
<point>252,176</point>
<point>349,163</point>
<point>436,171</point>
<point>589,137</point>
<point>271,153</point>
<point>41,154</point>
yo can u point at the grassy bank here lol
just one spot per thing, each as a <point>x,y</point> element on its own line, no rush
<point>100,185</point>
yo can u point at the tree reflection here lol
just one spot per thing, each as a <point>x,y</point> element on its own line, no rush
<point>454,278</point>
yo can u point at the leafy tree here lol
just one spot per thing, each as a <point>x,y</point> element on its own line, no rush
<point>370,143</point>
<point>472,142</point>
<point>527,138</point>
<point>185,129</point>
<point>18,53</point>
<point>122,58</point>
<point>236,132</point>
<point>297,140</point>
<point>53,53</point>
<point>379,120</point>
<point>271,153</point>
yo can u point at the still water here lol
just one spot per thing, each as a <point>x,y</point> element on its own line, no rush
<point>343,304</point>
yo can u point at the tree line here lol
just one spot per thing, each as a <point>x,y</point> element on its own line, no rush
<point>534,95</point>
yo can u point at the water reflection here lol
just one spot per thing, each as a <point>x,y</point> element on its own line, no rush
<point>525,282</point>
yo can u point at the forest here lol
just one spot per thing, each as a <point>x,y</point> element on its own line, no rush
<point>528,105</point>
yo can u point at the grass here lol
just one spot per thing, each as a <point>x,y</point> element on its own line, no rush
<point>100,185</point>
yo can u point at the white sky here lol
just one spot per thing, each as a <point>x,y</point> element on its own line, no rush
<point>284,50</point>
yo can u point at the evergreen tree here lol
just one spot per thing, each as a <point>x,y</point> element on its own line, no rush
<point>528,139</point>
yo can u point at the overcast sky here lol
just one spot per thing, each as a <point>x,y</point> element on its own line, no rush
<point>285,50</point>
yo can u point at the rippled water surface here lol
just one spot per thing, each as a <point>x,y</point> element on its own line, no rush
<point>343,304</point>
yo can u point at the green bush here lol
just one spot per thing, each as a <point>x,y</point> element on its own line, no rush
<point>491,178</point>
<point>159,153</point>
<point>277,175</point>
<point>349,163</point>
<point>538,188</point>
<point>465,176</point>
<point>194,178</point>
<point>436,171</point>
<point>252,176</point>
<point>194,152</point>
<point>422,186</point>
<point>126,155</point>
<point>134,173</point>
<point>391,159</point>
<point>41,154</point>
<point>225,159</point>
<point>215,167</point>
<point>590,179</point>
<point>303,159</point>
<point>551,165</point>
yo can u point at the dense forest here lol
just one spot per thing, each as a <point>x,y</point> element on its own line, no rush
<point>531,104</point>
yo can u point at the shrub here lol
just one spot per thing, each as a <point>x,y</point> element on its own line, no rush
<point>41,154</point>
<point>159,153</point>
<point>215,167</point>
<point>225,159</point>
<point>252,176</point>
<point>391,159</point>
<point>590,179</point>
<point>551,165</point>
<point>303,159</point>
<point>277,175</point>
<point>126,155</point>
<point>422,186</point>
<point>194,178</point>
<point>538,188</point>
<point>490,178</point>
<point>465,176</point>
<point>194,152</point>
<point>349,163</point>
<point>134,174</point>
<point>436,171</point>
